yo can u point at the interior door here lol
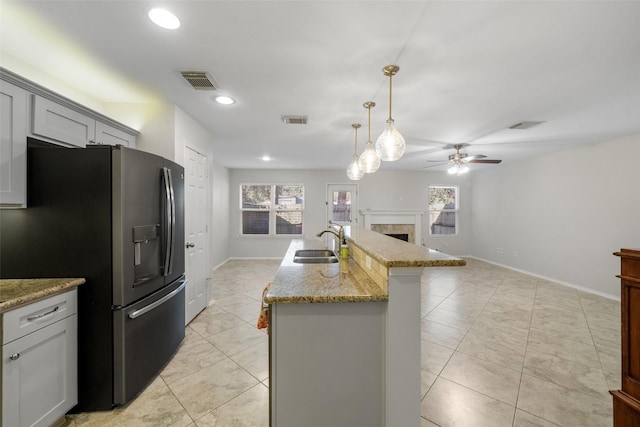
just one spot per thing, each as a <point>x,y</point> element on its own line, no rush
<point>342,204</point>
<point>196,232</point>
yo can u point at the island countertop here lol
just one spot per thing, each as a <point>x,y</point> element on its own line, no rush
<point>17,292</point>
<point>343,281</point>
<point>391,252</point>
<point>346,281</point>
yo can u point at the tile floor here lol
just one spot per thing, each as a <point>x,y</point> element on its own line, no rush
<point>499,348</point>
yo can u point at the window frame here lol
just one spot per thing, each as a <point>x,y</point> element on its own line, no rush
<point>272,210</point>
<point>455,211</point>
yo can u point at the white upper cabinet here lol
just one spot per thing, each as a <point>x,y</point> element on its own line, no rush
<point>13,145</point>
<point>60,123</point>
<point>63,124</point>
<point>30,110</point>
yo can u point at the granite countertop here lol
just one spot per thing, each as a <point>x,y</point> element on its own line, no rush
<point>17,292</point>
<point>392,252</point>
<point>346,281</point>
<point>343,281</point>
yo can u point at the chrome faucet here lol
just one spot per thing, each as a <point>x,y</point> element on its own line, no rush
<point>339,234</point>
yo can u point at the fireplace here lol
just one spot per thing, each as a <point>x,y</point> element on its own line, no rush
<point>405,225</point>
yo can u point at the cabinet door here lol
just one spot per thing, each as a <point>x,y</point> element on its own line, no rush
<point>39,375</point>
<point>13,145</point>
<point>106,134</point>
<point>60,123</point>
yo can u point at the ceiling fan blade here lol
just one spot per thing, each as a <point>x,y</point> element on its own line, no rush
<point>470,158</point>
<point>433,166</point>
<point>437,161</point>
<point>495,162</point>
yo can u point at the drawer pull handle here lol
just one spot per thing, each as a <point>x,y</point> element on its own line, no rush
<point>43,314</point>
<point>14,356</point>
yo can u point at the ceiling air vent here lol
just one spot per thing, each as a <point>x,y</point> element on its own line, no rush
<point>200,80</point>
<point>295,120</point>
<point>525,125</point>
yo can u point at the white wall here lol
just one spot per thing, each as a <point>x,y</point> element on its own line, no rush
<point>219,231</point>
<point>387,190</point>
<point>562,215</point>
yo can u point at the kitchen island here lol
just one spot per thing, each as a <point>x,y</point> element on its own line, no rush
<point>345,337</point>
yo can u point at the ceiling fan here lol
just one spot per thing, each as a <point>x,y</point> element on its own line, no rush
<point>458,161</point>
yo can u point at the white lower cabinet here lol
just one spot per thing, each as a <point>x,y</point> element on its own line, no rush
<point>39,361</point>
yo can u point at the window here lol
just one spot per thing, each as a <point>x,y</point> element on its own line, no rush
<point>443,210</point>
<point>271,209</point>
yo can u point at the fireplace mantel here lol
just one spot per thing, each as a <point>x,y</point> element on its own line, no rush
<point>402,217</point>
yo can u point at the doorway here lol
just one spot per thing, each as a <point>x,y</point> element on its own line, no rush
<point>197,232</point>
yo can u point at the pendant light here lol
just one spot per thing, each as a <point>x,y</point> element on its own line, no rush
<point>354,171</point>
<point>369,160</point>
<point>390,144</point>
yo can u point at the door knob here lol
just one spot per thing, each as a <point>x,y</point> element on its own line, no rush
<point>190,245</point>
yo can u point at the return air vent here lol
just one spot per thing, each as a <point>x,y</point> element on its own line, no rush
<point>525,125</point>
<point>295,120</point>
<point>200,80</point>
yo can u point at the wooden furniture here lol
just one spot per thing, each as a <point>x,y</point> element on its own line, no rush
<point>626,402</point>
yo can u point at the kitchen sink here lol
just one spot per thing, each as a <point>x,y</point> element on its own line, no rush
<point>314,256</point>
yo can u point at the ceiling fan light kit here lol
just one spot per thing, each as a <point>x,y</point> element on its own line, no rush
<point>390,144</point>
<point>354,171</point>
<point>369,160</point>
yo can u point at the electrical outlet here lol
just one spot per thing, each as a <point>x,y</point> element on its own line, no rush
<point>515,254</point>
<point>499,250</point>
<point>367,261</point>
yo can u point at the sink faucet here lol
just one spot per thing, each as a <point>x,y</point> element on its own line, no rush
<point>339,234</point>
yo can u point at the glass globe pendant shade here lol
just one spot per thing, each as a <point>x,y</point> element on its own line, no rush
<point>354,171</point>
<point>458,169</point>
<point>390,144</point>
<point>369,160</point>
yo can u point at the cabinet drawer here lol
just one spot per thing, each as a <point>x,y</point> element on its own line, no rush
<point>29,318</point>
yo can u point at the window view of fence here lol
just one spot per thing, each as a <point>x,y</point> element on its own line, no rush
<point>443,210</point>
<point>341,206</point>
<point>272,209</point>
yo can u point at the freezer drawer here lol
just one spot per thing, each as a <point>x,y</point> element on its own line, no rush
<point>146,335</point>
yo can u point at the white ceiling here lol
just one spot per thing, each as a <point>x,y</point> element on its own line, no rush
<point>468,70</point>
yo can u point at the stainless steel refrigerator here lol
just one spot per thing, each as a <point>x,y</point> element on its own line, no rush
<point>114,216</point>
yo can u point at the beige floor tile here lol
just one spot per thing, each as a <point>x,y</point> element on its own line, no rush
<point>191,358</point>
<point>497,346</point>
<point>211,387</point>
<point>434,356</point>
<point>240,338</point>
<point>426,381</point>
<point>255,360</point>
<point>458,319</point>
<point>547,328</point>
<point>450,404</point>
<point>208,324</point>
<point>549,312</point>
<point>250,409</point>
<point>485,377</point>
<point>426,423</point>
<point>442,334</point>
<point>570,374</point>
<point>155,406</point>
<point>563,406</point>
<point>524,419</point>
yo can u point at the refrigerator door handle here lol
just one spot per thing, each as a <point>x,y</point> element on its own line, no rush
<point>155,304</point>
<point>169,220</point>
<point>173,220</point>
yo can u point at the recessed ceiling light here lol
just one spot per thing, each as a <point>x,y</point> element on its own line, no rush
<point>225,100</point>
<point>266,158</point>
<point>163,18</point>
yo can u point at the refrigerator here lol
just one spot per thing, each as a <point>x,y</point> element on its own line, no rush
<point>114,216</point>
